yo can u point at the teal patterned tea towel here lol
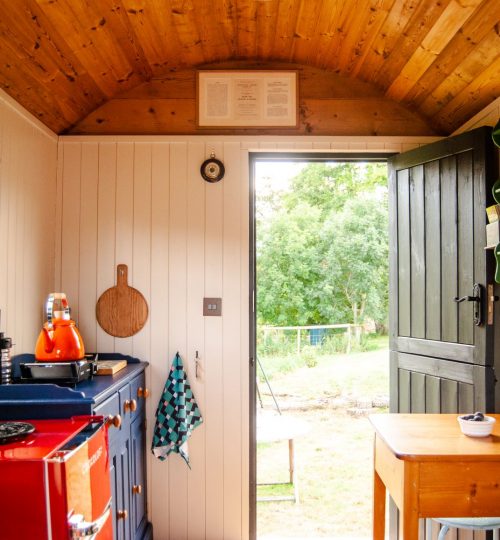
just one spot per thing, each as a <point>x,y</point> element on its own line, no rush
<point>176,416</point>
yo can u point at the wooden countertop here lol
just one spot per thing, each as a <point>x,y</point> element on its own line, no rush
<point>434,437</point>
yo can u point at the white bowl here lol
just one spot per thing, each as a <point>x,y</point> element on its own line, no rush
<point>472,428</point>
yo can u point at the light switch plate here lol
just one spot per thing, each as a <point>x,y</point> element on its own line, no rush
<point>212,307</point>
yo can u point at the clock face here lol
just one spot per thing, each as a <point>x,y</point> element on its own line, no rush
<point>212,170</point>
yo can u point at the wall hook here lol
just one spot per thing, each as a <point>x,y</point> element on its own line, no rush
<point>196,365</point>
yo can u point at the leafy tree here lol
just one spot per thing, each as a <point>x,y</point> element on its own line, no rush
<point>322,247</point>
<point>288,268</point>
<point>328,186</point>
<point>356,262</point>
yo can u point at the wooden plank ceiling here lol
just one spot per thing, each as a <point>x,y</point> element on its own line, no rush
<point>63,59</point>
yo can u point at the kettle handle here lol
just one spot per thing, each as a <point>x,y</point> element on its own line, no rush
<point>49,306</point>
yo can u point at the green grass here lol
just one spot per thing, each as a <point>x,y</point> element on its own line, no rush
<point>283,364</point>
<point>334,459</point>
<point>356,374</point>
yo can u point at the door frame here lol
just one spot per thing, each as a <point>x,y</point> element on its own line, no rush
<point>285,156</point>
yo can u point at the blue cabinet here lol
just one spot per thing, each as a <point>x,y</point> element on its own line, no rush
<point>121,396</point>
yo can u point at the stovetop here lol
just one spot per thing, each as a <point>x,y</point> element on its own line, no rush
<point>42,437</point>
<point>63,373</point>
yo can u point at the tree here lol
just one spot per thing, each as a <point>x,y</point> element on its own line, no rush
<point>318,242</point>
<point>356,261</point>
<point>288,268</point>
<point>328,186</point>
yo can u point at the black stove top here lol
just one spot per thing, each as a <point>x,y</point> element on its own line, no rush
<point>14,431</point>
<point>63,373</point>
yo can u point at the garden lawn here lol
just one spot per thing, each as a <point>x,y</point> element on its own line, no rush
<point>334,458</point>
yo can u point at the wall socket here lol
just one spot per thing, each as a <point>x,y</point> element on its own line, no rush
<point>212,307</point>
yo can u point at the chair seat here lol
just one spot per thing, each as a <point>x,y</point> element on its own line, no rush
<point>479,523</point>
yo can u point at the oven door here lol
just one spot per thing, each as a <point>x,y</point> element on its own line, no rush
<point>79,488</point>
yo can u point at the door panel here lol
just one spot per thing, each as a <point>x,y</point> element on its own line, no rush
<point>417,252</point>
<point>432,190</point>
<point>440,361</point>
<point>438,202</point>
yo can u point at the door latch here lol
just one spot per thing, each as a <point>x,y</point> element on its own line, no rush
<point>477,298</point>
<point>491,304</point>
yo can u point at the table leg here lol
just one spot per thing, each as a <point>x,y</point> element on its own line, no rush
<point>408,525</point>
<point>378,507</point>
<point>293,475</point>
<point>409,513</point>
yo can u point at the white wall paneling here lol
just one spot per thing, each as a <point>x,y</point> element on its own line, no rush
<point>127,162</point>
<point>231,342</point>
<point>159,323</point>
<point>87,241</point>
<point>141,201</point>
<point>106,235</point>
<point>28,168</point>
<point>177,324</point>
<point>196,489</point>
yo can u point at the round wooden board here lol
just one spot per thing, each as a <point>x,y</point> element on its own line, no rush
<point>121,310</point>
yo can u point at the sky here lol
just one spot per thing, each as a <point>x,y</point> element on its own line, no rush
<point>276,174</point>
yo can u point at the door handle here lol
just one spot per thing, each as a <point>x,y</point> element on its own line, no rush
<point>466,299</point>
<point>477,298</point>
<point>79,528</point>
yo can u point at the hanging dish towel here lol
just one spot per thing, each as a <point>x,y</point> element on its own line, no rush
<point>177,415</point>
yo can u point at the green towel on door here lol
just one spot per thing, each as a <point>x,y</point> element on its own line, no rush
<point>176,416</point>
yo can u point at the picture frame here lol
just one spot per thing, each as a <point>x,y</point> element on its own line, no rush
<point>247,99</point>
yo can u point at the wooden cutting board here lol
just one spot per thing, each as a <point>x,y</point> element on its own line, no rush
<point>122,310</point>
<point>110,367</point>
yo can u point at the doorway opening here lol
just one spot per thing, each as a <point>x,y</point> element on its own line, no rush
<point>319,344</point>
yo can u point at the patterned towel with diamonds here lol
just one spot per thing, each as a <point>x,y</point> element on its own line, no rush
<point>176,416</point>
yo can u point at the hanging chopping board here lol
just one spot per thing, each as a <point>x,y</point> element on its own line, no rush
<point>121,310</point>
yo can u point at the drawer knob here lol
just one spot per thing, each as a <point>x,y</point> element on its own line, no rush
<point>137,489</point>
<point>143,392</point>
<point>114,421</point>
<point>122,514</point>
<point>130,405</point>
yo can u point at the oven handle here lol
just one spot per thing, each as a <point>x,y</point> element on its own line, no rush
<point>87,530</point>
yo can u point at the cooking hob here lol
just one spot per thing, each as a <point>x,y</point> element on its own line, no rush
<point>62,373</point>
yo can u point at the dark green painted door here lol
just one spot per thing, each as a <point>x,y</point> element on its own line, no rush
<point>441,361</point>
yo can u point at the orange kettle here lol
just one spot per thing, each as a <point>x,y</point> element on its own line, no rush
<point>59,340</point>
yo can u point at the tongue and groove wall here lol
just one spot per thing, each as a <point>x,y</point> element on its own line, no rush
<point>28,157</point>
<point>141,201</point>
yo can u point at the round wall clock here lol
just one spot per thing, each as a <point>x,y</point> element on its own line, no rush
<point>212,169</point>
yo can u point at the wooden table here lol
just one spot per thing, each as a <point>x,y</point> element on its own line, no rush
<point>432,470</point>
<point>274,428</point>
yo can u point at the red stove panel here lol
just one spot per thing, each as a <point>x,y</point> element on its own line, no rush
<point>54,483</point>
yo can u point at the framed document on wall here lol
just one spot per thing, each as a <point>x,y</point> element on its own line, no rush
<point>247,99</point>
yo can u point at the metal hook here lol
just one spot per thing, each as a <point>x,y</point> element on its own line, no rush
<point>196,365</point>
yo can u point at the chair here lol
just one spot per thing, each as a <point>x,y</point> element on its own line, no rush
<point>477,524</point>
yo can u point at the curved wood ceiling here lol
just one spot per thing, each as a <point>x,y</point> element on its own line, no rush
<point>62,59</point>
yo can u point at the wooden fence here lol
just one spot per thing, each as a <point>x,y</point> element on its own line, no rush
<point>349,328</point>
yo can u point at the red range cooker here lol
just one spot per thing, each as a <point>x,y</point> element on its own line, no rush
<point>54,480</point>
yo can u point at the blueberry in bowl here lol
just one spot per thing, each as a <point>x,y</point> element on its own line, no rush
<point>476,425</point>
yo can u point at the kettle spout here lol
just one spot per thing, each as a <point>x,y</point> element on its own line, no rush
<point>48,342</point>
